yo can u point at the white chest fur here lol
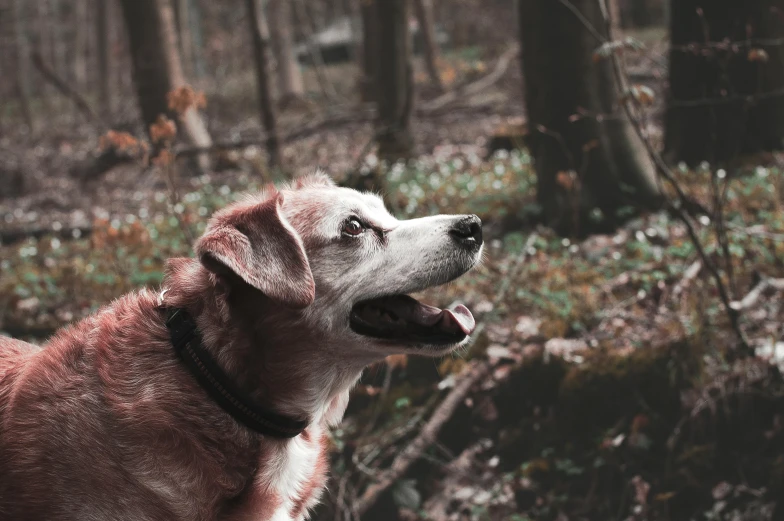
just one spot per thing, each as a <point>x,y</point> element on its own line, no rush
<point>295,475</point>
<point>292,473</point>
<point>291,477</point>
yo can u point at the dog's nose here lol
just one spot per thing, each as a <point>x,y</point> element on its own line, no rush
<point>467,231</point>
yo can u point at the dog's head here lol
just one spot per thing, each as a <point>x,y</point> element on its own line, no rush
<point>346,265</point>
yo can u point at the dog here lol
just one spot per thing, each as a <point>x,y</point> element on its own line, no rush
<point>211,398</point>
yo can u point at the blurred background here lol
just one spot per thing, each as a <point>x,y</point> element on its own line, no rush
<point>624,156</point>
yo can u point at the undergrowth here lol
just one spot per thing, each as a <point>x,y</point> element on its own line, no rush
<point>571,438</point>
<point>52,280</point>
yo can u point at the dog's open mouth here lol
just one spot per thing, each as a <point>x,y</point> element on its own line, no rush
<point>404,318</point>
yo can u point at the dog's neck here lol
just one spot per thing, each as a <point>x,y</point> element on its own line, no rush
<point>264,348</point>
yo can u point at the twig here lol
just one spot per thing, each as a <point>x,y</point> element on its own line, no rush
<point>382,447</point>
<point>720,227</point>
<point>385,446</point>
<point>359,162</point>
<point>583,20</point>
<point>455,471</point>
<point>379,402</point>
<point>756,231</point>
<point>482,83</point>
<point>174,199</point>
<point>679,288</point>
<point>295,135</point>
<point>753,296</point>
<point>50,75</point>
<point>624,278</point>
<point>683,200</point>
<point>724,100</point>
<point>340,503</point>
<point>505,283</point>
<point>305,19</point>
<point>691,272</point>
<point>425,438</point>
<point>305,131</point>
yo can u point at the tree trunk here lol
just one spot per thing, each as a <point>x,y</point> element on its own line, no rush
<point>260,36</point>
<point>641,13</point>
<point>354,13</point>
<point>62,86</point>
<point>199,67</point>
<point>289,76</point>
<point>590,170</point>
<point>725,100</point>
<point>424,14</point>
<point>156,65</point>
<point>82,44</point>
<point>57,41</point>
<point>309,27</point>
<point>22,63</point>
<point>102,26</point>
<point>186,40</point>
<point>43,44</point>
<point>614,8</point>
<point>369,52</point>
<point>394,77</point>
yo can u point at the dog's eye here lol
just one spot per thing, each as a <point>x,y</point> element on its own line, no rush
<point>353,227</point>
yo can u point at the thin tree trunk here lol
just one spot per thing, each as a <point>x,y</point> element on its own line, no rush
<point>186,40</point>
<point>57,41</point>
<point>157,69</point>
<point>22,63</point>
<point>199,68</point>
<point>120,56</point>
<point>641,13</point>
<point>355,17</point>
<point>424,13</point>
<point>102,26</point>
<point>369,55</point>
<point>62,86</point>
<point>260,36</point>
<point>723,102</point>
<point>289,76</point>
<point>588,168</point>
<point>309,27</point>
<point>394,80</point>
<point>666,12</point>
<point>614,6</point>
<point>43,44</point>
<point>82,48</point>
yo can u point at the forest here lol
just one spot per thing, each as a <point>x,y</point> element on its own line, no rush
<point>625,156</point>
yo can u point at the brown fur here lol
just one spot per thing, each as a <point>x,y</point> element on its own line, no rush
<point>105,423</point>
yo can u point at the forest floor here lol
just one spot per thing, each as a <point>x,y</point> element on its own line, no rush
<point>605,382</point>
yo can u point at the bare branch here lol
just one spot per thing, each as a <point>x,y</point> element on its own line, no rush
<point>753,296</point>
<point>51,76</point>
<point>479,85</point>
<point>426,437</point>
<point>630,106</point>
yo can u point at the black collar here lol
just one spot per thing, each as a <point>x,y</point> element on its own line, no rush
<point>187,344</point>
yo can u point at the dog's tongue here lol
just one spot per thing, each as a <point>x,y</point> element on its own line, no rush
<point>458,319</point>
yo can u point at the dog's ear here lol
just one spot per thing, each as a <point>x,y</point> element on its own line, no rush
<point>258,245</point>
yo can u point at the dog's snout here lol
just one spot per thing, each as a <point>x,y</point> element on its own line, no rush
<point>467,231</point>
